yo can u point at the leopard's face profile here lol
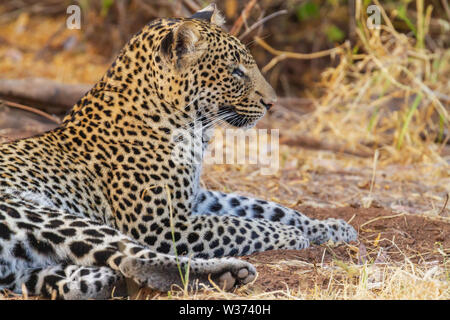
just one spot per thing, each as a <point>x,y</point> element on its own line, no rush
<point>198,68</point>
<point>226,81</point>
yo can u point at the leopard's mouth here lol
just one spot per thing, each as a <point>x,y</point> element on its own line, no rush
<point>238,120</point>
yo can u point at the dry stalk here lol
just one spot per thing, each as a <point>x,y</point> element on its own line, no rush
<point>262,21</point>
<point>242,18</point>
<point>31,109</point>
<point>380,218</point>
<point>282,55</point>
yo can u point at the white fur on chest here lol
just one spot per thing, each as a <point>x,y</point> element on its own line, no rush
<point>38,199</point>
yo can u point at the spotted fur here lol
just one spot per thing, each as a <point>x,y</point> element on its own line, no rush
<point>102,198</point>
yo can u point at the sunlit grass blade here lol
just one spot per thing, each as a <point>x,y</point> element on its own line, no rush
<point>411,111</point>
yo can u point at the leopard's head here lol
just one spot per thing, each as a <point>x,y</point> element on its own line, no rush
<point>213,72</point>
<point>187,69</point>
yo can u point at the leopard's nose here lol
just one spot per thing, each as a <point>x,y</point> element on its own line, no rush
<point>266,104</point>
<point>267,94</point>
<point>269,97</point>
<point>269,102</point>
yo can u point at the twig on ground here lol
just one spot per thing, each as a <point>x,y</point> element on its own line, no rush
<point>445,204</point>
<point>30,109</point>
<point>311,143</point>
<point>281,55</point>
<point>380,218</point>
<point>48,95</point>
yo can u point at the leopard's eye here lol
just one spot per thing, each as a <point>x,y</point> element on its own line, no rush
<point>238,73</point>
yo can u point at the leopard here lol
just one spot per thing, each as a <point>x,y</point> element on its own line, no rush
<point>101,200</point>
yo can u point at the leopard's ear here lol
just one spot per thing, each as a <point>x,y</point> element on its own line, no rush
<point>210,14</point>
<point>183,46</point>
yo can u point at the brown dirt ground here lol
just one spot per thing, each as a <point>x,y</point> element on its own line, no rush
<point>384,236</point>
<point>400,235</point>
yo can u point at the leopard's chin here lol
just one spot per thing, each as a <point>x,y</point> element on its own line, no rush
<point>238,120</point>
<point>242,122</point>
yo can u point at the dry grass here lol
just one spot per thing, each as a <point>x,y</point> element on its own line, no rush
<point>401,281</point>
<point>394,96</point>
<point>407,281</point>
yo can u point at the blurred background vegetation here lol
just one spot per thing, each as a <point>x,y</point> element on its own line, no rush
<point>359,88</point>
<point>298,25</point>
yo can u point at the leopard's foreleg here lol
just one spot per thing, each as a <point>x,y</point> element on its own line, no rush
<point>317,231</point>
